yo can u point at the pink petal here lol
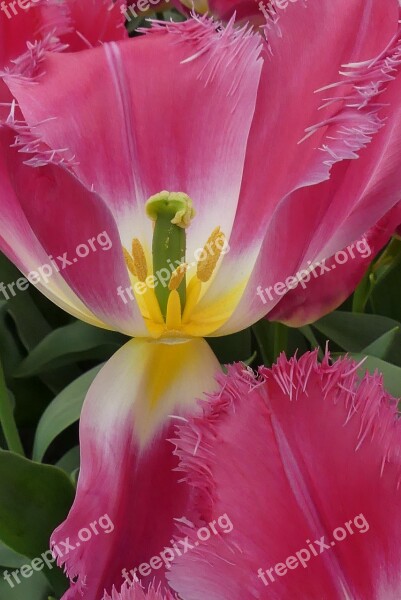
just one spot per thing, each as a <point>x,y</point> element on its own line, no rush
<point>314,221</point>
<point>201,100</point>
<point>136,592</point>
<point>127,461</point>
<point>245,10</point>
<point>289,457</point>
<point>46,212</point>
<point>45,21</point>
<point>325,290</point>
<point>89,22</point>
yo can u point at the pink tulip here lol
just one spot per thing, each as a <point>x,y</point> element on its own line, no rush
<point>303,463</point>
<point>105,130</point>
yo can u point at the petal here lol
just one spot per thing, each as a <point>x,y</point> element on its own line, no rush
<point>46,22</point>
<point>136,592</point>
<point>245,10</point>
<point>287,170</point>
<point>82,242</point>
<point>314,451</point>
<point>316,221</point>
<point>201,98</point>
<point>21,25</point>
<point>127,463</point>
<point>105,23</point>
<point>341,275</point>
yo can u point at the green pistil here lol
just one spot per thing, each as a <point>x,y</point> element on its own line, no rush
<point>172,214</point>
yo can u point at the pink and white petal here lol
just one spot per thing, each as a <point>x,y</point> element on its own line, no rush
<point>47,213</point>
<point>201,103</point>
<point>136,592</point>
<point>127,463</point>
<point>315,222</point>
<point>303,451</point>
<point>318,296</point>
<point>287,170</point>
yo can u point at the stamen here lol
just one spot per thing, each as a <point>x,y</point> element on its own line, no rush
<point>210,255</point>
<point>173,318</point>
<point>139,259</point>
<point>129,261</point>
<point>177,277</point>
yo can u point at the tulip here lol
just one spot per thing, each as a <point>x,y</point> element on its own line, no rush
<point>303,461</point>
<point>192,170</point>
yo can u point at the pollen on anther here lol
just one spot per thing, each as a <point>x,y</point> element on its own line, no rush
<point>129,261</point>
<point>139,259</point>
<point>210,255</point>
<point>177,277</point>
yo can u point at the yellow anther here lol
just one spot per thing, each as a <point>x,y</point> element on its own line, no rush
<point>177,277</point>
<point>139,259</point>
<point>210,255</point>
<point>129,261</point>
<point>173,317</point>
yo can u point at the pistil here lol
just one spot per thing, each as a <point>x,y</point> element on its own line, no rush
<point>172,214</point>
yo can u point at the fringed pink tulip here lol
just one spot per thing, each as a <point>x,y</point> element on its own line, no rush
<point>175,266</point>
<point>304,462</point>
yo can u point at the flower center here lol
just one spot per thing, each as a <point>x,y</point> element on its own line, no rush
<point>167,305</point>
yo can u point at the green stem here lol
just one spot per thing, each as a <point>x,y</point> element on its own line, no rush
<point>280,339</point>
<point>7,420</point>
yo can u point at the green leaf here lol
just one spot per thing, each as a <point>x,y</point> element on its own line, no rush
<point>385,298</point>
<point>386,347</point>
<point>232,348</point>
<point>66,345</point>
<point>273,338</point>
<point>34,500</point>
<point>35,587</point>
<point>354,331</point>
<point>10,558</point>
<point>70,461</point>
<point>391,373</point>
<point>62,412</point>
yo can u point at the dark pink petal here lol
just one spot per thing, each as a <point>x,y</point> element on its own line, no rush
<point>76,24</point>
<point>89,22</point>
<point>291,456</point>
<point>127,464</point>
<point>201,98</point>
<point>136,592</point>
<point>46,212</point>
<point>326,290</point>
<point>245,10</point>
